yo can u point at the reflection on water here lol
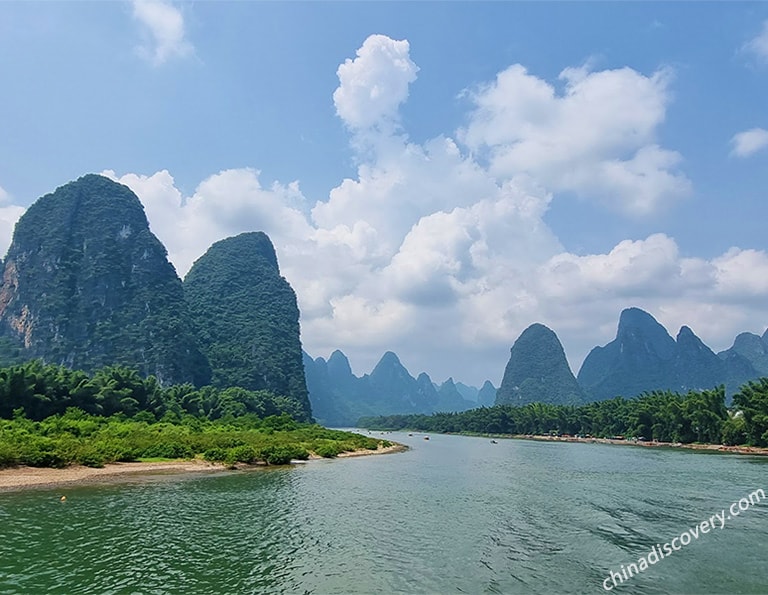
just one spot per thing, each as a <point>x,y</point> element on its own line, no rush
<point>453,514</point>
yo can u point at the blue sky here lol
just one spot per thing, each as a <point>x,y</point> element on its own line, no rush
<point>436,176</point>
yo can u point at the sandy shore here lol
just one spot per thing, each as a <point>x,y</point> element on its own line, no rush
<point>381,451</point>
<point>19,478</point>
<point>15,478</point>
<point>744,450</point>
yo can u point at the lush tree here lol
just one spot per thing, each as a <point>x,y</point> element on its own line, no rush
<point>752,402</point>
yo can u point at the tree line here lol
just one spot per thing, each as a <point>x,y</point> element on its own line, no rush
<point>664,416</point>
<point>51,416</point>
<point>37,391</point>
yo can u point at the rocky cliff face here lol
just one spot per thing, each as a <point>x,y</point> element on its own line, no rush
<point>538,371</point>
<point>640,358</point>
<point>394,388</point>
<point>468,393</point>
<point>246,318</point>
<point>86,284</point>
<point>754,349</point>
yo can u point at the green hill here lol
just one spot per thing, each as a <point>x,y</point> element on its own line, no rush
<point>537,371</point>
<point>86,285</point>
<point>246,318</point>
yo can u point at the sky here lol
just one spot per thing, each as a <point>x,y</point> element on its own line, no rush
<point>435,176</point>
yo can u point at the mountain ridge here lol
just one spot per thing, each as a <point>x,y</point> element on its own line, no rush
<point>341,398</point>
<point>644,357</point>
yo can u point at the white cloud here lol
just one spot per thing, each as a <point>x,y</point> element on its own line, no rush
<point>596,138</point>
<point>741,275</point>
<point>631,268</point>
<point>163,26</point>
<point>373,85</point>
<point>749,142</point>
<point>759,45</point>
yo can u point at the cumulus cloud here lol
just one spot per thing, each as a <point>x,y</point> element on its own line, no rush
<point>597,138</point>
<point>758,46</point>
<point>163,26</point>
<point>749,142</point>
<point>373,85</point>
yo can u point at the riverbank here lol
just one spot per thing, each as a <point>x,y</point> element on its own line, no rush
<point>382,450</point>
<point>742,450</point>
<point>21,478</point>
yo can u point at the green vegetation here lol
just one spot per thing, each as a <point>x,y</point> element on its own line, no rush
<point>246,318</point>
<point>698,416</point>
<point>79,438</point>
<point>51,416</point>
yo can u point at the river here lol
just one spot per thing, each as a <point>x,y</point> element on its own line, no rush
<point>451,515</point>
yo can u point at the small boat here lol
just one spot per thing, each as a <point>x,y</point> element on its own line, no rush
<point>426,437</point>
<point>494,442</point>
<point>410,434</point>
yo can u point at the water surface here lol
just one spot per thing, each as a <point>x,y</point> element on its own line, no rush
<point>451,515</point>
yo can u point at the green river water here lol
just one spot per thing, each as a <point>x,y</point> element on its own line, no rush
<point>451,515</point>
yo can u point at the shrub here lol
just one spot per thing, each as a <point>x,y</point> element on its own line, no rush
<point>168,450</point>
<point>215,455</point>
<point>282,454</point>
<point>41,451</point>
<point>91,458</point>
<point>9,456</point>
<point>327,450</point>
<point>244,454</point>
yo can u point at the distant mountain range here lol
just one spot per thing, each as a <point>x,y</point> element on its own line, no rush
<point>339,398</point>
<point>643,357</point>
